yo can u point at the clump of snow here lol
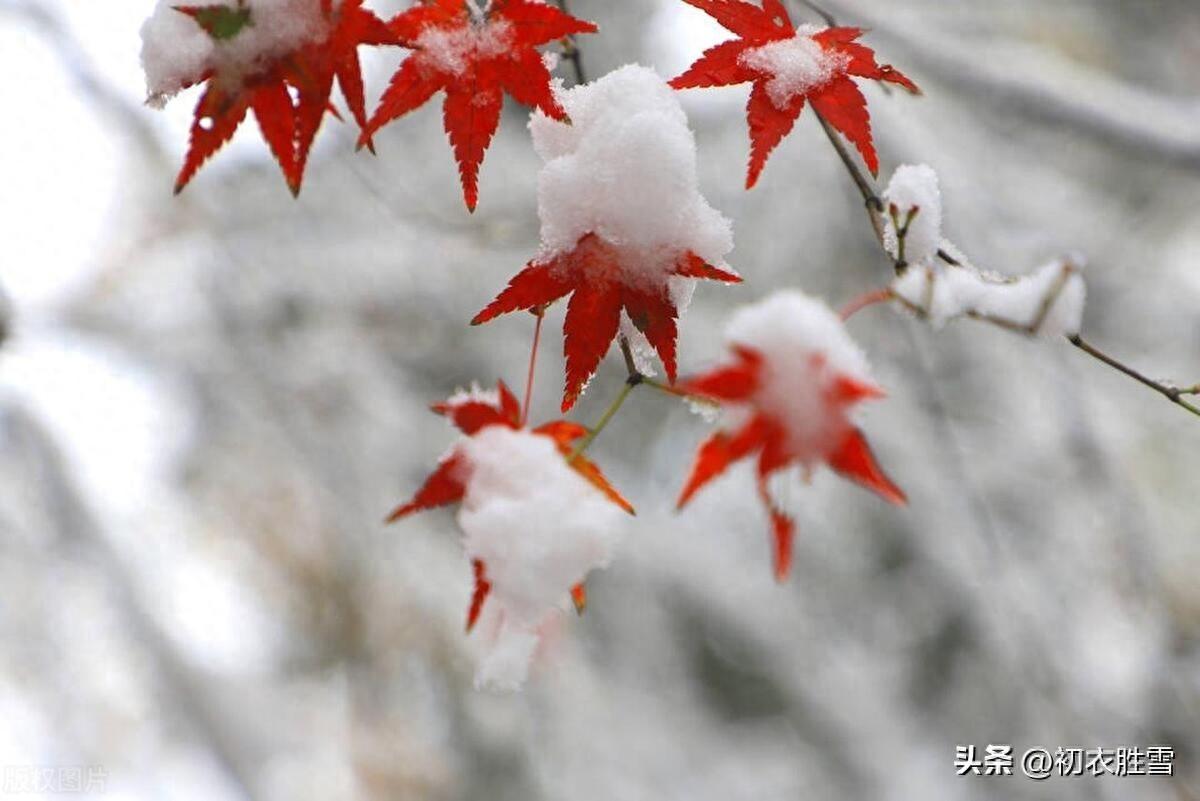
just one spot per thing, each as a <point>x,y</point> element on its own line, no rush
<point>450,50</point>
<point>176,51</point>
<point>624,169</point>
<point>805,350</point>
<point>1048,302</point>
<point>797,65</point>
<point>914,193</point>
<point>539,527</point>
<point>473,394</point>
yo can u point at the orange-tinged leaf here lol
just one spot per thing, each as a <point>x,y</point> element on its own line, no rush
<point>591,472</point>
<point>579,598</point>
<point>564,432</point>
<point>855,460</point>
<point>443,487</point>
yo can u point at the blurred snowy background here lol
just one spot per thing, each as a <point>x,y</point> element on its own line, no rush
<point>208,403</point>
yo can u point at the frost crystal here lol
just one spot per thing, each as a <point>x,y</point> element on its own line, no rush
<point>797,66</point>
<point>540,527</point>
<point>624,169</point>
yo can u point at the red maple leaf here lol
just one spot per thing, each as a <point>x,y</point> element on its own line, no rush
<point>289,95</point>
<point>839,443</point>
<point>830,56</point>
<point>598,275</point>
<point>474,57</point>
<point>471,413</point>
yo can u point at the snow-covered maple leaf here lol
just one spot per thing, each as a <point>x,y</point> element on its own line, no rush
<point>474,56</point>
<point>789,66</point>
<point>475,412</point>
<point>597,277</point>
<point>788,395</point>
<point>625,231</point>
<point>276,59</point>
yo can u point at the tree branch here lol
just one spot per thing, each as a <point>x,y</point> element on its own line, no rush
<point>874,206</point>
<point>571,48</point>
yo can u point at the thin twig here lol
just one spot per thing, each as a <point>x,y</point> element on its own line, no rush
<point>820,12</point>
<point>865,186</point>
<point>540,313</point>
<point>1173,394</point>
<point>608,415</point>
<point>864,300</point>
<point>874,206</point>
<point>571,48</point>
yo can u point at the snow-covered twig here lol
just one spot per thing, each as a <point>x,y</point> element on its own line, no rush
<point>875,211</point>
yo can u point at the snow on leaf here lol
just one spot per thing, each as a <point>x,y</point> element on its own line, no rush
<point>278,59</point>
<point>474,60</point>
<point>536,518</point>
<point>595,274</point>
<point>789,66</point>
<point>625,231</point>
<point>791,387</point>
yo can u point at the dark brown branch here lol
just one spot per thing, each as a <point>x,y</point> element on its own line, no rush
<point>571,49</point>
<point>1171,393</point>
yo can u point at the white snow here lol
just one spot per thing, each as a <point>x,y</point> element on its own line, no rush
<point>797,66</point>
<point>539,527</point>
<point>1055,293</point>
<point>914,189</point>
<point>176,51</point>
<point>474,394</point>
<point>1048,302</point>
<point>805,348</point>
<point>624,169</point>
<point>448,50</point>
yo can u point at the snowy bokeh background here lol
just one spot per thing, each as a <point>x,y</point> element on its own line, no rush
<point>208,403</point>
